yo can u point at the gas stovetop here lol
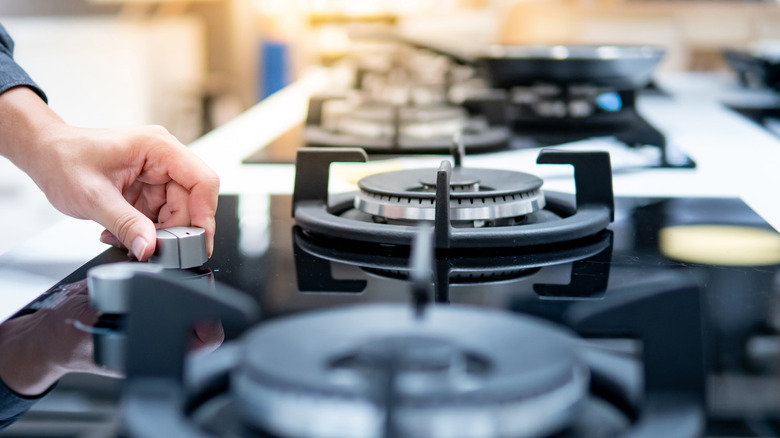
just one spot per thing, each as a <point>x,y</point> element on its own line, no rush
<point>659,320</point>
<point>417,101</point>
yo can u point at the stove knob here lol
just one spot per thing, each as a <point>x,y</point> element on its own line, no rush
<point>180,247</point>
<point>108,286</point>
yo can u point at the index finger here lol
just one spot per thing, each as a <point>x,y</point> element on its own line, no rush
<point>189,171</point>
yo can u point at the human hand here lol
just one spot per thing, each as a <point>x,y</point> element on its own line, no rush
<point>38,349</point>
<point>130,180</point>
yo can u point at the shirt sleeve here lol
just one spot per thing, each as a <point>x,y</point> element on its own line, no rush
<point>13,405</point>
<point>11,74</point>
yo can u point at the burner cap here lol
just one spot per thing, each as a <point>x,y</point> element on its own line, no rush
<point>411,114</point>
<point>459,371</point>
<point>475,194</point>
<point>458,180</point>
<point>376,120</point>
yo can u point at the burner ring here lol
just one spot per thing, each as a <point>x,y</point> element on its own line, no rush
<point>416,183</point>
<point>576,223</point>
<point>412,114</point>
<point>527,380</point>
<point>377,121</point>
<point>474,209</point>
<point>475,194</point>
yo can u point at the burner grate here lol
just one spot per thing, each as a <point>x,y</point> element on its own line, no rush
<point>591,213</point>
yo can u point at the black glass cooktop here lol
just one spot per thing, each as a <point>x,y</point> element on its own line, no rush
<point>686,286</point>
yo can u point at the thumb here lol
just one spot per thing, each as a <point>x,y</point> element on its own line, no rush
<point>130,226</point>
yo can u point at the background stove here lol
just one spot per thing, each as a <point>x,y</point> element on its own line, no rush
<point>416,102</point>
<point>759,74</point>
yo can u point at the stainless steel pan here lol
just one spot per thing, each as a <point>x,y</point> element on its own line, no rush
<point>505,66</point>
<point>755,68</point>
<point>619,67</point>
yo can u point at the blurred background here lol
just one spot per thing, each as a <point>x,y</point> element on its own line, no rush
<point>191,66</point>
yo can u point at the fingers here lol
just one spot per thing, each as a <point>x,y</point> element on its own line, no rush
<point>202,185</point>
<point>167,159</point>
<point>207,336</point>
<point>109,239</point>
<point>202,205</point>
<point>174,188</point>
<point>133,230</point>
<point>176,210</point>
<point>147,198</point>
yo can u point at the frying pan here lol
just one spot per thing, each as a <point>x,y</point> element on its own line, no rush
<point>618,67</point>
<point>754,67</point>
<point>505,66</point>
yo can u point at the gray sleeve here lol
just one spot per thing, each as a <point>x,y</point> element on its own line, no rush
<point>11,75</point>
<point>13,405</point>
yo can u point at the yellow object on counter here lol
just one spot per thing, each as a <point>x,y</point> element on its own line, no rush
<point>721,245</point>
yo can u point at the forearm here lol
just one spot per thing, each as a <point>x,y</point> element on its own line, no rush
<point>30,378</point>
<point>25,365</point>
<point>24,121</point>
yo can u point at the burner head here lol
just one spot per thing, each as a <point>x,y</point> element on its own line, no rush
<point>405,93</point>
<point>428,365</point>
<point>478,197</point>
<point>457,371</point>
<point>374,120</point>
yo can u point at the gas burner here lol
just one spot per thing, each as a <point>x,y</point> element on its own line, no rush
<point>404,93</point>
<point>555,101</point>
<point>456,371</point>
<point>406,106</point>
<point>470,208</point>
<point>420,99</point>
<point>407,371</point>
<point>398,127</point>
<point>377,120</point>
<point>546,114</point>
<point>478,197</point>
<point>589,260</point>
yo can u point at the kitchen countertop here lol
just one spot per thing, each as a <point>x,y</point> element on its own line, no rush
<point>735,158</point>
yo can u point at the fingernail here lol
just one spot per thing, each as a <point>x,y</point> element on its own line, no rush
<point>139,247</point>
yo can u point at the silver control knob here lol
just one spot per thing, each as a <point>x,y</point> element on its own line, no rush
<point>108,286</point>
<point>180,248</point>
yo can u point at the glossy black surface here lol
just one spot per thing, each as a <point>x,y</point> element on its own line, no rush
<point>603,287</point>
<point>243,260</point>
<point>737,300</point>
